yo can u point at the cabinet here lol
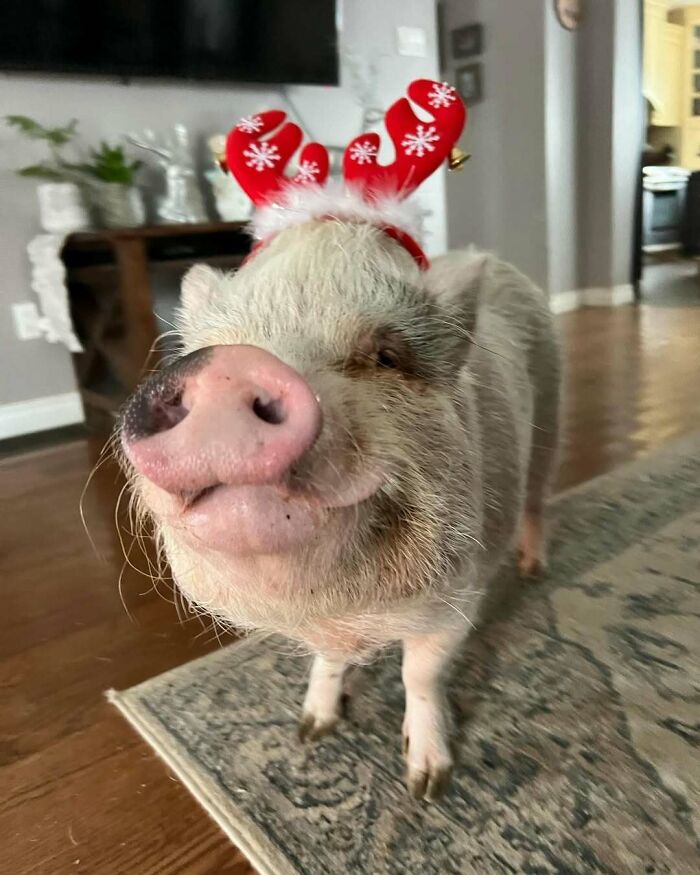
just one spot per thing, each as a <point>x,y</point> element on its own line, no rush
<point>668,112</point>
<point>663,57</point>
<point>655,12</point>
<point>113,304</point>
<point>689,19</point>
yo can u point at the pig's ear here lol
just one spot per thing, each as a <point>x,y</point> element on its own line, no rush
<point>198,287</point>
<point>454,283</point>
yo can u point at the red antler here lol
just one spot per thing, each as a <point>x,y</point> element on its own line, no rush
<point>259,164</point>
<point>420,146</point>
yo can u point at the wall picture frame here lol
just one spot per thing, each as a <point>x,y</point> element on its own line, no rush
<point>467,41</point>
<point>469,83</point>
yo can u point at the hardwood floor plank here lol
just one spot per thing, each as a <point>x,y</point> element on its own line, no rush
<point>90,795</point>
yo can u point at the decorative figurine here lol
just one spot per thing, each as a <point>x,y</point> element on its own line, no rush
<point>232,203</point>
<point>182,201</point>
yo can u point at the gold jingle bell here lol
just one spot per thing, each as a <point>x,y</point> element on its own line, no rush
<point>457,159</point>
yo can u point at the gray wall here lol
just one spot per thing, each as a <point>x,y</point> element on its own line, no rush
<point>595,106</point>
<point>610,106</point>
<point>628,134</point>
<point>555,143</point>
<point>562,141</point>
<point>498,201</point>
<point>106,110</point>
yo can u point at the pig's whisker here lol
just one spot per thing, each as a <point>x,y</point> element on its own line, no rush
<point>180,606</point>
<point>105,454</point>
<point>121,593</point>
<point>465,595</point>
<point>127,553</point>
<point>216,625</point>
<point>126,556</point>
<point>167,322</point>
<point>457,610</point>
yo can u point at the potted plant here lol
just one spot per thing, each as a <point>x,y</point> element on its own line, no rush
<point>61,207</point>
<point>111,178</point>
<point>106,176</point>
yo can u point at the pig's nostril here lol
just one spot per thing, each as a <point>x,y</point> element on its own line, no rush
<point>269,411</point>
<point>156,406</point>
<point>166,412</point>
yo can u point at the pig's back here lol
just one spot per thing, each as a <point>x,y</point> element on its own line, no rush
<point>514,357</point>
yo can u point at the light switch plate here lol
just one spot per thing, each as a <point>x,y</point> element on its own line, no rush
<point>27,321</point>
<point>411,42</point>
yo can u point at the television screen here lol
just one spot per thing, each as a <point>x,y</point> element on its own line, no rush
<point>291,41</point>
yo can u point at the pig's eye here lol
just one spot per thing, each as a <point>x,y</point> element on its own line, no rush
<point>387,358</point>
<point>381,352</point>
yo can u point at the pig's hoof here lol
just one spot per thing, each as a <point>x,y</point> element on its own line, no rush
<point>429,785</point>
<point>428,772</point>
<point>531,566</point>
<point>532,561</point>
<point>311,727</point>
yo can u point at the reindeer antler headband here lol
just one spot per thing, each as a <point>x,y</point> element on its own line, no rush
<point>372,190</point>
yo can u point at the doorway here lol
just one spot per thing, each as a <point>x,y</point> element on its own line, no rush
<point>667,233</point>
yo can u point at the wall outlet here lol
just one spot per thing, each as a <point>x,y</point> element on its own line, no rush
<point>412,42</point>
<point>27,321</point>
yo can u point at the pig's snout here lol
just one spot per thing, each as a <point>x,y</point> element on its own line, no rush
<point>231,415</point>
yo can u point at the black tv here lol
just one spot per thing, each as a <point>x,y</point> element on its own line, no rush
<point>276,41</point>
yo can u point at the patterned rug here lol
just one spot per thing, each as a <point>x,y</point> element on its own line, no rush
<point>577,706</point>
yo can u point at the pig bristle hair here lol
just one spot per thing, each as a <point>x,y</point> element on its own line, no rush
<point>299,204</point>
<point>419,554</point>
<point>264,300</point>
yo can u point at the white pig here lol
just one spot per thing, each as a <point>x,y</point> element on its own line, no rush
<point>347,452</point>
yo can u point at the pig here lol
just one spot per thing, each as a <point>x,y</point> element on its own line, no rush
<point>345,452</point>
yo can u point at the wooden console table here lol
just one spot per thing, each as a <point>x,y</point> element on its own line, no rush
<point>109,278</point>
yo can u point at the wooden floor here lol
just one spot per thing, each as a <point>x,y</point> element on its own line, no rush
<point>80,791</point>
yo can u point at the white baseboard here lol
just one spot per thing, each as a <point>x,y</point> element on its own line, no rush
<point>39,414</point>
<point>652,248</point>
<point>612,296</point>
<point>563,302</point>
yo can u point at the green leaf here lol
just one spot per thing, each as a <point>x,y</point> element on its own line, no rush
<point>42,171</point>
<point>87,169</point>
<point>109,164</point>
<point>35,131</point>
<point>61,136</point>
<point>26,126</point>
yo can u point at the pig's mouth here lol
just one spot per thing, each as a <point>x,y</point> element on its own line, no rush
<point>267,519</point>
<point>361,489</point>
<point>194,497</point>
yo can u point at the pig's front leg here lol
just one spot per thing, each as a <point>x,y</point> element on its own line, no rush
<point>425,725</point>
<point>322,705</point>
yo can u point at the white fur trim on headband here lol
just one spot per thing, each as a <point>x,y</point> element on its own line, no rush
<point>302,203</point>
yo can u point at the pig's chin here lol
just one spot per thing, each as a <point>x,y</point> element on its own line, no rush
<point>253,520</point>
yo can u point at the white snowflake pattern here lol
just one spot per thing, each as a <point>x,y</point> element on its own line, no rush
<point>363,152</point>
<point>251,124</point>
<point>261,156</point>
<point>308,171</point>
<point>421,142</point>
<point>442,95</point>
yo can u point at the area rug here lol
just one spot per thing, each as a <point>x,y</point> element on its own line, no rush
<point>577,707</point>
